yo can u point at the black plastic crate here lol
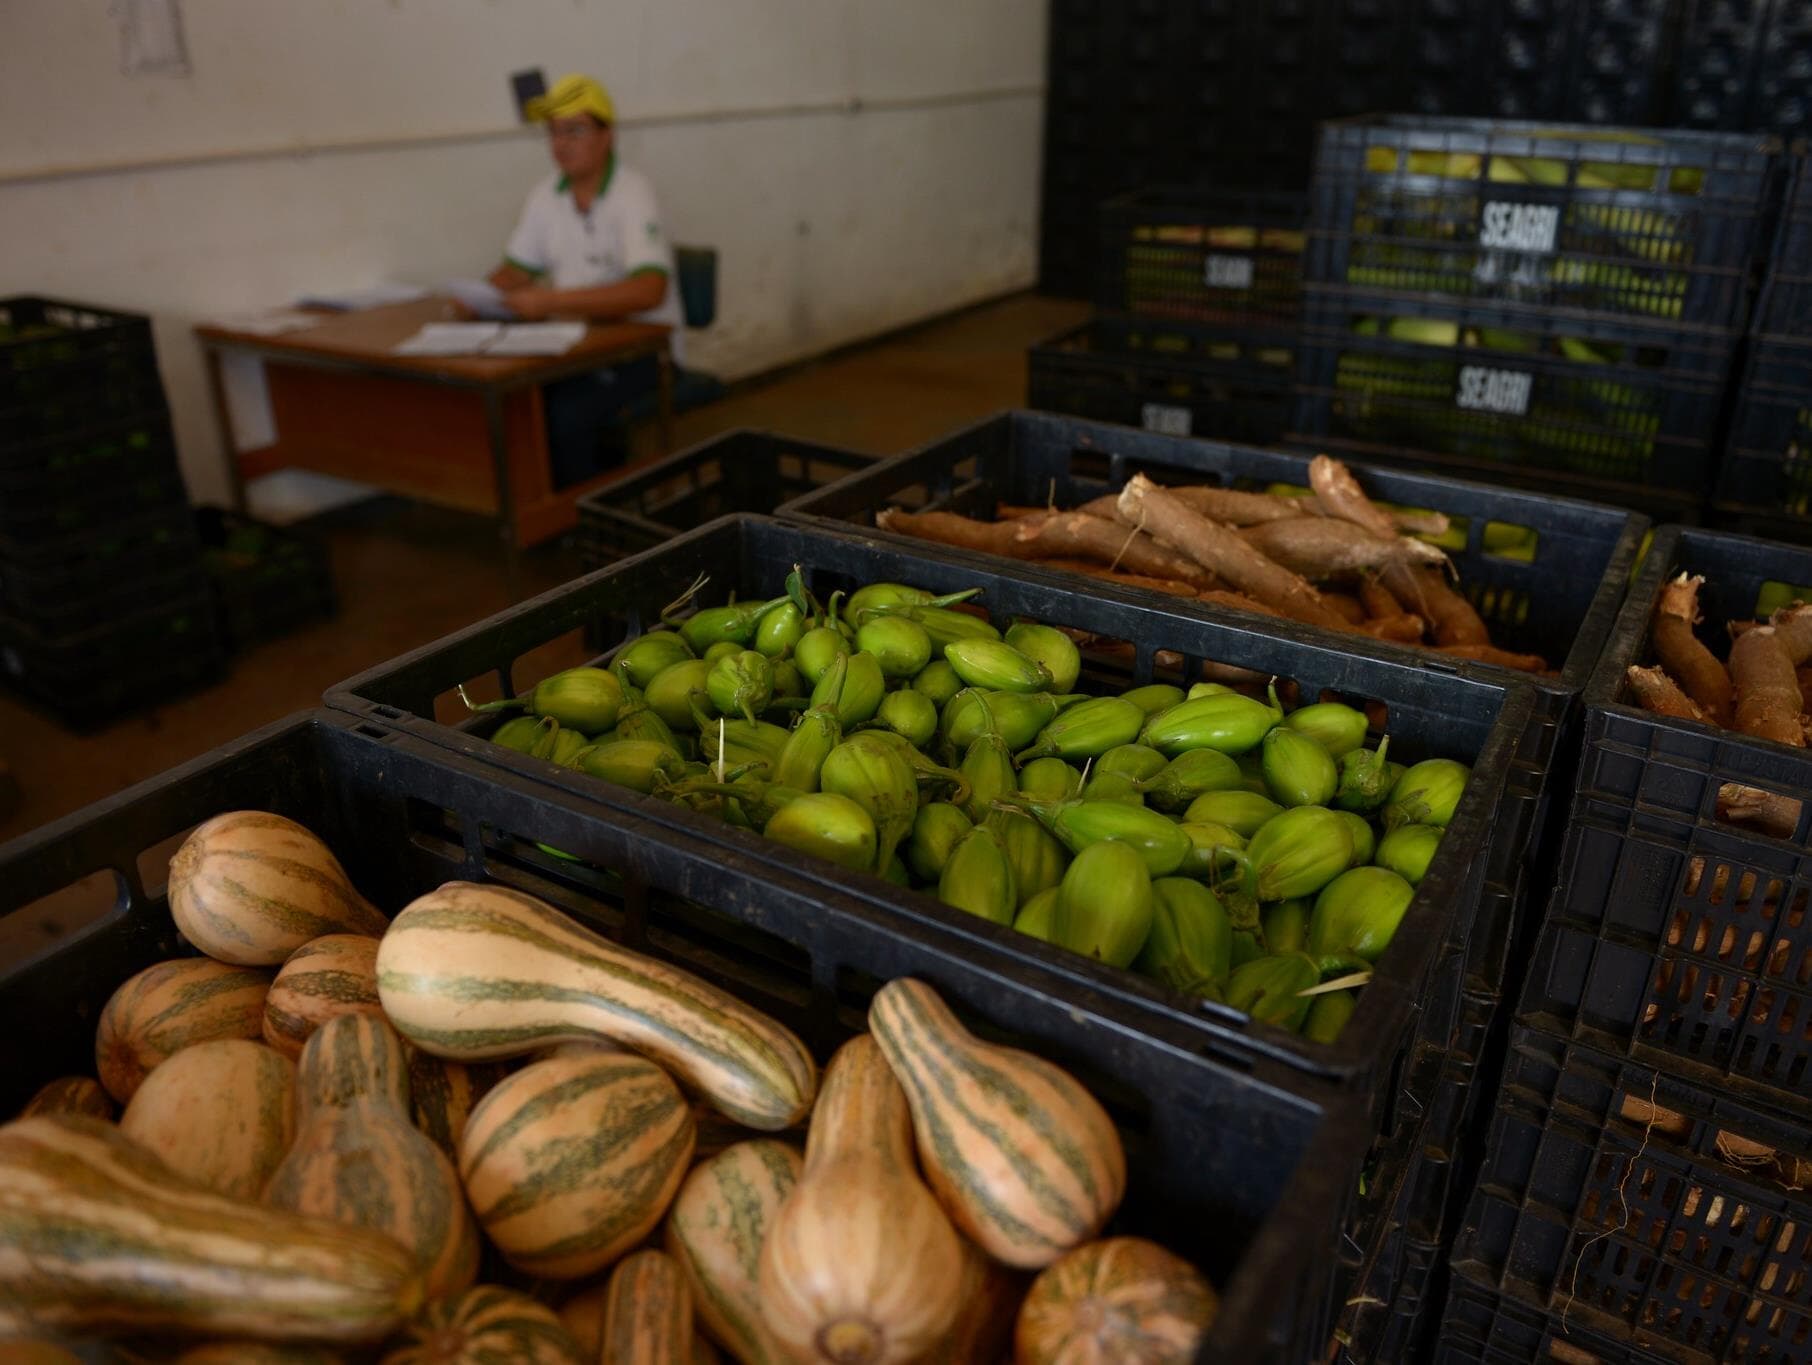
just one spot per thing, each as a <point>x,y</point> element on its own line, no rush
<point>1484,1326</point>
<point>268,581</point>
<point>43,578</point>
<point>1644,1208</point>
<point>1661,228</point>
<point>1675,938</point>
<point>1765,476</point>
<point>1785,307</point>
<point>89,478</point>
<point>740,471</point>
<point>1244,1171</point>
<point>54,353</point>
<point>1177,380</point>
<point>1203,255</point>
<point>1742,65</point>
<point>1592,408</point>
<point>96,676</point>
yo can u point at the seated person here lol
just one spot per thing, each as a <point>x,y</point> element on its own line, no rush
<point>589,245</point>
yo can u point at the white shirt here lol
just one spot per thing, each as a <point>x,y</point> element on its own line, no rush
<point>619,236</point>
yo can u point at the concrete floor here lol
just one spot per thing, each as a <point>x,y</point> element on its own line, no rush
<point>408,574</point>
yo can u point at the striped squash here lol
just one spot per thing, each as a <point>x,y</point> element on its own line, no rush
<point>1025,1160</point>
<point>474,972</point>
<point>715,1231</point>
<point>257,1353</point>
<point>860,1267</point>
<point>1115,1300</point>
<point>170,1006</point>
<point>102,1236</point>
<point>487,1325</point>
<point>251,887</point>
<point>443,1093</point>
<point>648,1312</point>
<point>221,1114</point>
<point>70,1095</point>
<point>326,977</point>
<point>983,1330</point>
<point>571,1161</point>
<point>358,1159</point>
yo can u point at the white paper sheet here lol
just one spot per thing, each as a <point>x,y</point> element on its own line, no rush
<point>450,338</point>
<point>481,296</point>
<point>537,338</point>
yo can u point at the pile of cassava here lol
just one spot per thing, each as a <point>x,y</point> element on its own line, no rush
<point>332,1121</point>
<point>1333,559</point>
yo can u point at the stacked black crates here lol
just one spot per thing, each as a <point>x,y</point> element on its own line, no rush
<point>1644,1191</point>
<point>1198,292</point>
<point>1765,479</point>
<point>1556,307</point>
<point>104,607</point>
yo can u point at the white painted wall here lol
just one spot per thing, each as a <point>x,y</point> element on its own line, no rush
<point>859,164</point>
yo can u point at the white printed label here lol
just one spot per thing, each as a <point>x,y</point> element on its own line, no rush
<point>1519,227</point>
<point>1488,390</point>
<point>1164,418</point>
<point>1228,272</point>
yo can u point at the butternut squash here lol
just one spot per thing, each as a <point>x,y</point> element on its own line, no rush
<point>648,1312</point>
<point>572,1161</point>
<point>1121,1299</point>
<point>716,1228</point>
<point>70,1095</point>
<point>101,1236</point>
<point>359,1160</point>
<point>170,1006</point>
<point>477,972</point>
<point>1025,1161</point>
<point>861,1267</point>
<point>222,1114</point>
<point>328,976</point>
<point>486,1326</point>
<point>251,887</point>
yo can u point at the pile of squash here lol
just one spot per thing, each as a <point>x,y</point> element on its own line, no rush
<point>309,1161</point>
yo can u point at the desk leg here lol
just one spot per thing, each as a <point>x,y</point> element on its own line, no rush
<point>665,357</point>
<point>223,423</point>
<point>506,502</point>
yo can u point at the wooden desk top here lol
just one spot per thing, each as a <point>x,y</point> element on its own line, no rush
<point>367,338</point>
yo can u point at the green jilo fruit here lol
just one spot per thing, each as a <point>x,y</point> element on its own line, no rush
<point>1297,854</point>
<point>1226,721</point>
<point>1035,916</point>
<point>726,743</point>
<point>802,757</point>
<point>518,733</point>
<point>723,649</point>
<point>547,735</point>
<point>1297,769</point>
<point>633,763</point>
<point>1364,840</point>
<point>779,631</point>
<point>1339,728</point>
<point>735,624</point>
<point>1365,779</point>
<point>1153,697</point>
<point>988,769</point>
<point>816,651</point>
<point>1190,946</point>
<point>1426,794</point>
<point>1286,926</point>
<point>938,681</point>
<point>1355,917</point>
<point>740,684</point>
<point>1270,989</point>
<point>1244,812</point>
<point>1049,779</point>
<point>1087,730</point>
<point>828,826</point>
<point>1159,842</point>
<point>1050,647</point>
<point>1112,787</point>
<point>1328,1013</point>
<point>929,774</point>
<point>877,595</point>
<point>900,646</point>
<point>936,830</point>
<point>639,720</point>
<point>670,693</point>
<point>873,775</point>
<point>789,685</point>
<point>582,699</point>
<point>643,659</point>
<point>859,696</point>
<point>910,715</point>
<point>997,666</point>
<point>978,878</point>
<point>1104,904</point>
<point>1015,717</point>
<point>1038,860</point>
<point>1130,760</point>
<point>943,625</point>
<point>1188,776</point>
<point>1210,852</point>
<point>1407,850</point>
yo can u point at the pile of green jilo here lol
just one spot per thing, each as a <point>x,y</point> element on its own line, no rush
<point>1204,838</point>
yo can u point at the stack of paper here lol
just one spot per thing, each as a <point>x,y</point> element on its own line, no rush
<point>451,338</point>
<point>494,339</point>
<point>537,338</point>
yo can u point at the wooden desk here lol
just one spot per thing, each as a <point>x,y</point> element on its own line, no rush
<point>461,431</point>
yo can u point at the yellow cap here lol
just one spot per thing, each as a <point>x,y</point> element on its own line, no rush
<point>571,95</point>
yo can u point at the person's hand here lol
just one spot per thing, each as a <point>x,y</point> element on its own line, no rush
<point>532,302</point>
